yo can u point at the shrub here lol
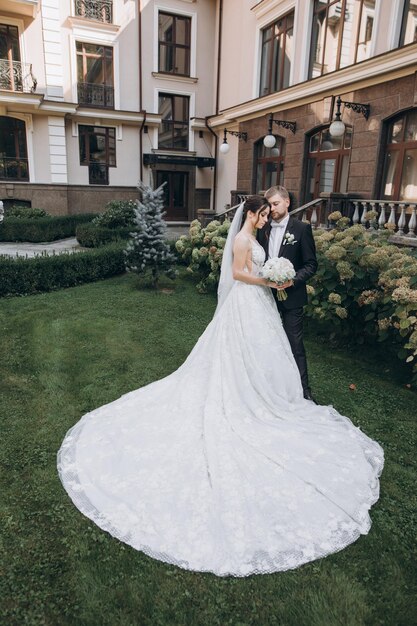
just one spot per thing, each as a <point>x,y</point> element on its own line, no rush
<point>41,229</point>
<point>148,251</point>
<point>92,236</point>
<point>20,276</point>
<point>366,288</point>
<point>25,212</point>
<point>202,250</point>
<point>118,214</point>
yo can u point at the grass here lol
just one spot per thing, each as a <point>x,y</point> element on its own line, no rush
<point>66,352</point>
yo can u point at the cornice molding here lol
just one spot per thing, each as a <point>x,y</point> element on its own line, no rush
<point>395,64</point>
<point>174,77</point>
<point>92,26</point>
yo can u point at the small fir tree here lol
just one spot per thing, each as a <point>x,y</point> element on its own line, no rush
<point>148,249</point>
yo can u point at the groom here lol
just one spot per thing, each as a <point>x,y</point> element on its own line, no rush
<point>288,237</point>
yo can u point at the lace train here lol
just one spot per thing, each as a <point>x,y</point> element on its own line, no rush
<point>223,466</point>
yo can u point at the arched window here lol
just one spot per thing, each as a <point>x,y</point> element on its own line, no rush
<point>399,177</point>
<point>269,164</point>
<point>328,162</point>
<point>13,149</point>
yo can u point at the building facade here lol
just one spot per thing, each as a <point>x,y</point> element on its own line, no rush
<point>98,94</point>
<point>294,59</point>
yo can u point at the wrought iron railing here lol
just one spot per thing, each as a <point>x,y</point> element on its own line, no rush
<point>17,76</point>
<point>12,168</point>
<point>98,174</point>
<point>100,10</point>
<point>101,96</point>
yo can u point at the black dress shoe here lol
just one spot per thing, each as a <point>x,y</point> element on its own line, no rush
<point>308,396</point>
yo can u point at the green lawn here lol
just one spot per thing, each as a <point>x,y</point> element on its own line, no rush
<point>67,352</point>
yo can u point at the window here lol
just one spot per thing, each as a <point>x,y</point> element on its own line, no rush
<point>13,149</point>
<point>269,164</point>
<point>98,152</point>
<point>95,75</point>
<point>328,163</point>
<point>175,119</point>
<point>341,34</point>
<point>399,178</point>
<point>174,36</point>
<point>409,23</point>
<point>277,52</point>
<point>10,65</point>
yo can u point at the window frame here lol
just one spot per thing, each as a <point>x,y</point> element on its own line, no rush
<point>271,61</point>
<point>264,160</point>
<point>355,38</point>
<point>401,147</point>
<point>174,45</point>
<point>109,76</point>
<point>174,121</point>
<point>403,25</point>
<point>85,131</point>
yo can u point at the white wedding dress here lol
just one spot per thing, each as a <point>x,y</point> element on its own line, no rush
<point>223,466</point>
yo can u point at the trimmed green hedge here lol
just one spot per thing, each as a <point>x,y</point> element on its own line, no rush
<point>41,229</point>
<point>92,236</point>
<point>20,276</point>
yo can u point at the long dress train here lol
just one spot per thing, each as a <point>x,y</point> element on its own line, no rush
<point>223,466</point>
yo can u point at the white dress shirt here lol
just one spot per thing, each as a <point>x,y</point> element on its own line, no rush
<point>276,235</point>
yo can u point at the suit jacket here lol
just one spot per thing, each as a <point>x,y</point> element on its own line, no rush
<point>301,253</point>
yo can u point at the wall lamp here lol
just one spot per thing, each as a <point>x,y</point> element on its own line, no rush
<point>224,148</point>
<point>269,140</point>
<point>337,127</point>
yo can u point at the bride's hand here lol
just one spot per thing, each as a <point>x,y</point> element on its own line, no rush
<point>289,283</point>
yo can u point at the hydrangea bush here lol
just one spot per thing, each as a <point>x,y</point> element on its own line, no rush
<point>364,288</point>
<point>202,251</point>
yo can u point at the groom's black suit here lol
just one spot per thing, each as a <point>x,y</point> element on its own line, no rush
<point>302,254</point>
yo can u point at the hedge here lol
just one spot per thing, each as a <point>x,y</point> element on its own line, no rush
<point>41,229</point>
<point>19,276</point>
<point>92,236</point>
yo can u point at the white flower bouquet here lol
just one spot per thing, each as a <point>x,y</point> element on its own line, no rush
<point>278,270</point>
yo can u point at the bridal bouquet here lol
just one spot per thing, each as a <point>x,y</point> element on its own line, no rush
<point>278,270</point>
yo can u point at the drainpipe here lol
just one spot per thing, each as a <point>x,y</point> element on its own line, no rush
<point>216,139</point>
<point>140,89</point>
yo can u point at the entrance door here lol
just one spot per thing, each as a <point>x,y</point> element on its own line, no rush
<point>176,194</point>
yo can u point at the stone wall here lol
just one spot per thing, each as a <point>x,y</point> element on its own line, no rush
<point>65,199</point>
<point>386,100</point>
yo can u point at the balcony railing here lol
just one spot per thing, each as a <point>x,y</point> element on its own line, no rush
<point>12,168</point>
<point>374,215</point>
<point>98,174</point>
<point>92,95</point>
<point>99,10</point>
<point>17,76</point>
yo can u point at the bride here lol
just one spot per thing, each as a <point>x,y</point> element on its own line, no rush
<point>223,466</point>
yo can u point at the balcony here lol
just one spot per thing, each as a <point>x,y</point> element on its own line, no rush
<point>12,168</point>
<point>99,96</point>
<point>98,10</point>
<point>17,76</point>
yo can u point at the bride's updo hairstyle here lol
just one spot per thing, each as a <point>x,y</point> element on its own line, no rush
<point>254,204</point>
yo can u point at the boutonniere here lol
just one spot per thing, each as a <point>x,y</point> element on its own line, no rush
<point>289,239</point>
